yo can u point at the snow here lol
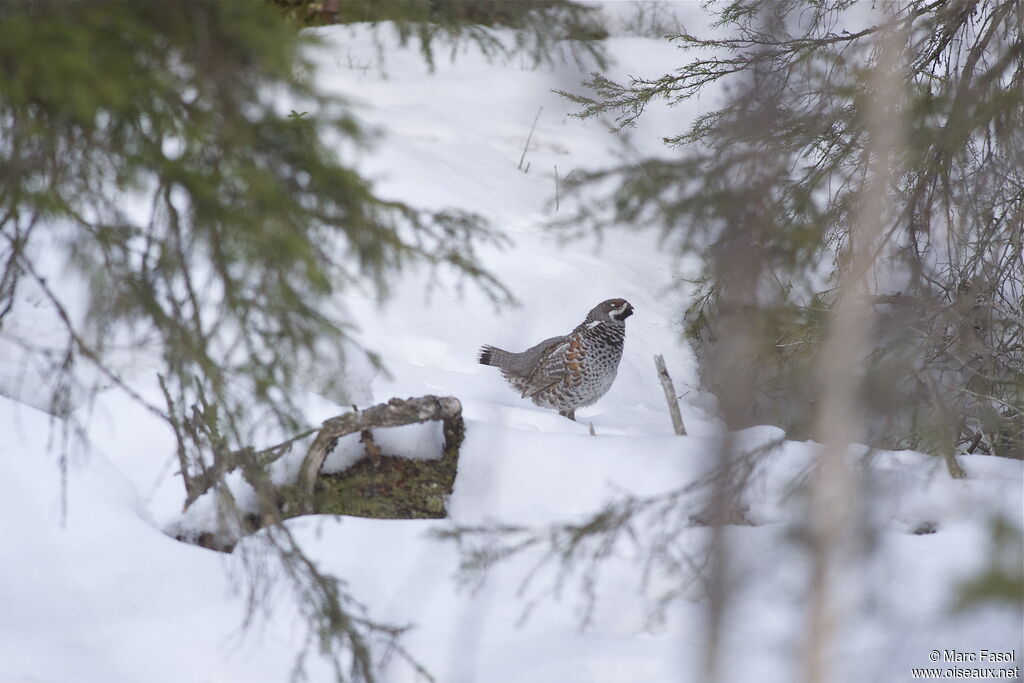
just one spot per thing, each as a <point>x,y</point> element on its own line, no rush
<point>101,591</point>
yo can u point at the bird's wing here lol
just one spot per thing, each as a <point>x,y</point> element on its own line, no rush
<point>524,363</point>
<point>548,367</point>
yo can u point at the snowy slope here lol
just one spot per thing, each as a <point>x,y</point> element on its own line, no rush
<point>108,596</point>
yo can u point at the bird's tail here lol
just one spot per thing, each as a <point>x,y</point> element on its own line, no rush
<point>490,355</point>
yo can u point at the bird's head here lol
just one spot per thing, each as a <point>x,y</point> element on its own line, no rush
<point>613,310</point>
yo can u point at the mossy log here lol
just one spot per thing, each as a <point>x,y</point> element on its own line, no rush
<point>388,487</point>
<point>379,485</point>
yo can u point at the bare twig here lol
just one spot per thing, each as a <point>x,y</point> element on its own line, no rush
<point>198,484</point>
<point>372,449</point>
<point>556,188</point>
<point>670,395</point>
<point>528,138</point>
<point>176,426</point>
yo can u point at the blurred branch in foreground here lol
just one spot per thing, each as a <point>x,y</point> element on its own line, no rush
<point>944,369</point>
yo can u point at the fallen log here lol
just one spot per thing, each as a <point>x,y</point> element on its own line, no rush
<point>300,499</point>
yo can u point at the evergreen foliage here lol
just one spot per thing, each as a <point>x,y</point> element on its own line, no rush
<point>149,169</point>
<point>543,31</point>
<point>144,140</point>
<point>779,168</point>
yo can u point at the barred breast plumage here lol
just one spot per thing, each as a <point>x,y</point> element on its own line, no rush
<point>570,372</point>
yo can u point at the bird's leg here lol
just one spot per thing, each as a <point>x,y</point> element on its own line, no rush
<point>571,414</point>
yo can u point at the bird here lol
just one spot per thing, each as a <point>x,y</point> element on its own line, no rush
<point>572,371</point>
